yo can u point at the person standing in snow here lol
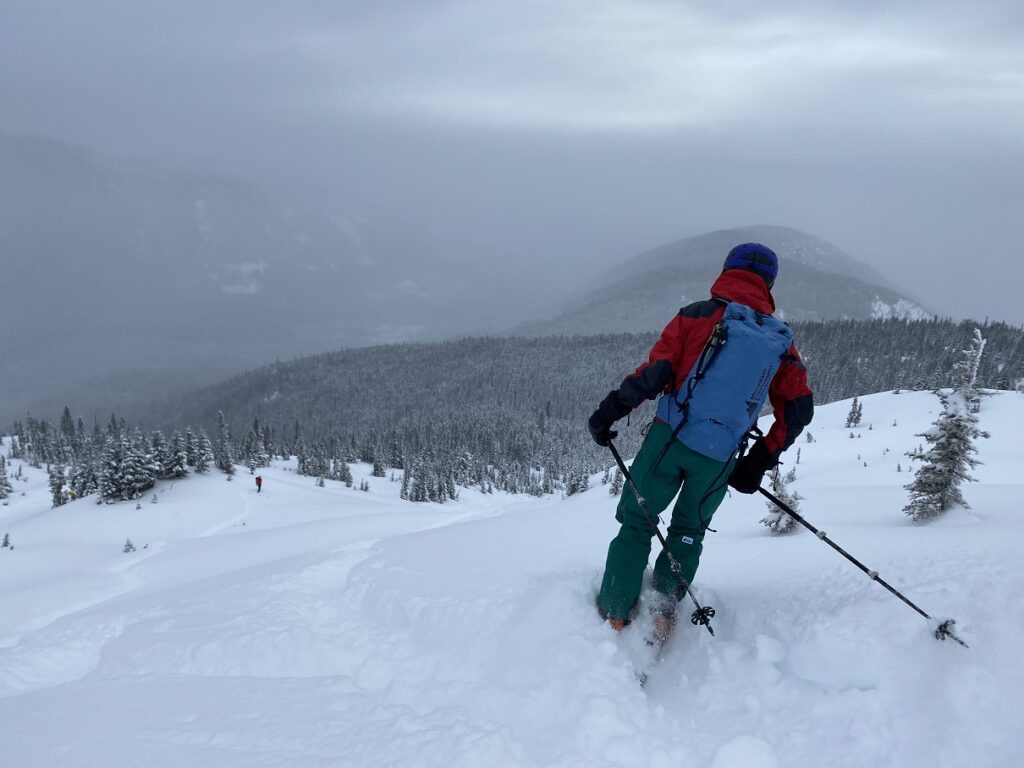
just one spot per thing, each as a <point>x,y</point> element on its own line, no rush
<point>259,483</point>
<point>664,464</point>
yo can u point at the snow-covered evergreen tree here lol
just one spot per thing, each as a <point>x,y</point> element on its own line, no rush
<point>158,454</point>
<point>344,473</point>
<point>175,461</point>
<point>577,480</point>
<point>57,485</point>
<point>778,521</point>
<point>617,481</point>
<point>140,469</point>
<point>191,447</point>
<point>67,425</point>
<point>429,478</point>
<point>418,481</point>
<point>368,452</point>
<point>967,372</point>
<point>254,451</point>
<point>314,462</point>
<point>936,485</point>
<point>448,490</point>
<point>395,457</point>
<point>853,417</point>
<point>406,476</point>
<point>945,464</point>
<point>83,478</point>
<point>5,483</point>
<point>204,453</point>
<point>223,453</point>
<point>126,469</point>
<point>114,456</point>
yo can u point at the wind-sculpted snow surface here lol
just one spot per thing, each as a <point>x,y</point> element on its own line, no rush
<point>327,627</point>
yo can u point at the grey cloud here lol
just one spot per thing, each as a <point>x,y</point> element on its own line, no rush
<point>511,139</point>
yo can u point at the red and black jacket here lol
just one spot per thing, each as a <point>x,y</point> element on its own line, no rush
<point>681,343</point>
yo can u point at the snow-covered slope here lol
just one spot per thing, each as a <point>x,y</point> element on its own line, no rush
<point>328,627</point>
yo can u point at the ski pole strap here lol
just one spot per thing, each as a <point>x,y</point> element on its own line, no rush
<point>710,351</point>
<point>943,631</point>
<point>753,434</point>
<point>707,356</point>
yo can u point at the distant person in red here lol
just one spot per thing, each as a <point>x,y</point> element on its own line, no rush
<point>259,483</point>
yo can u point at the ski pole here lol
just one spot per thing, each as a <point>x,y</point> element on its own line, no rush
<point>942,631</point>
<point>703,614</point>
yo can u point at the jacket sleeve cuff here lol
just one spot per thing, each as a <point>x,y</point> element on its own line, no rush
<point>612,408</point>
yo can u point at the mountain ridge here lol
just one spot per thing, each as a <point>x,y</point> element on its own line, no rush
<point>817,281</point>
<point>112,266</point>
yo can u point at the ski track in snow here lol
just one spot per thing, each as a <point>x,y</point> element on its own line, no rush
<point>329,627</point>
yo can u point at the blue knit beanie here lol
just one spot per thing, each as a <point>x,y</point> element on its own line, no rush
<point>756,258</point>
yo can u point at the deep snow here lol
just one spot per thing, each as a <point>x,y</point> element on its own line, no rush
<point>314,626</point>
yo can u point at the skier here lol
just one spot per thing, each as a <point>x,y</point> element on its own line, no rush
<point>665,464</point>
<point>259,483</point>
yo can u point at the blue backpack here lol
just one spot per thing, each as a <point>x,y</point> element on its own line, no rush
<point>723,394</point>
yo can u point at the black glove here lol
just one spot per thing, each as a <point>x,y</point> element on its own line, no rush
<point>608,412</point>
<point>601,430</point>
<point>747,474</point>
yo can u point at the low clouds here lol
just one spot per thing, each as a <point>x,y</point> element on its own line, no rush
<point>617,65</point>
<point>628,65</point>
<point>565,135</point>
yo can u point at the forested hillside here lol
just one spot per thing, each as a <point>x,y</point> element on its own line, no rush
<point>504,413</point>
<point>500,410</point>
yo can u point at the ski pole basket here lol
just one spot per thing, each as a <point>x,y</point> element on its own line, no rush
<point>942,631</point>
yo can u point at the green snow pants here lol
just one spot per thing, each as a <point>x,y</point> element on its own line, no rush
<point>704,483</point>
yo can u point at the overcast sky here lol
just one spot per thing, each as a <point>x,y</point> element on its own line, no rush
<point>565,135</point>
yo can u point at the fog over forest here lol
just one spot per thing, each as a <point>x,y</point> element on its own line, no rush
<point>284,180</point>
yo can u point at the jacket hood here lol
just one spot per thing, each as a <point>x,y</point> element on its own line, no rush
<point>744,287</point>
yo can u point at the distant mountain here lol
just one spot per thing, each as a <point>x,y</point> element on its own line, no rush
<point>817,281</point>
<point>119,280</point>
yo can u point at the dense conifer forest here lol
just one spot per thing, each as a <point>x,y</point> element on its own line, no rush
<point>501,412</point>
